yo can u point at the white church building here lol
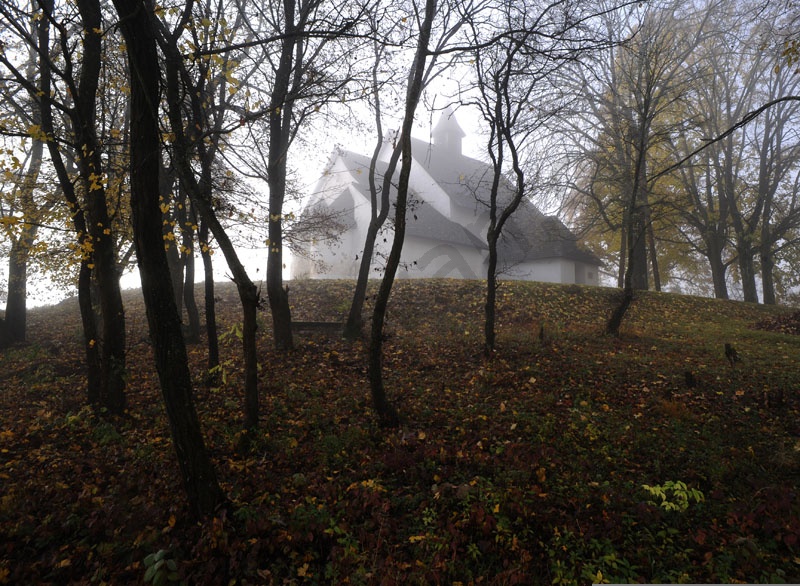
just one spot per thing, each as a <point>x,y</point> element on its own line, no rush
<point>446,221</point>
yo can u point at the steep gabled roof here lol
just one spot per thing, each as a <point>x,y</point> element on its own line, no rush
<point>528,235</point>
<point>423,220</point>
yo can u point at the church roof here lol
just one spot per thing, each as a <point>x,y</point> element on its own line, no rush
<point>423,220</point>
<point>528,235</point>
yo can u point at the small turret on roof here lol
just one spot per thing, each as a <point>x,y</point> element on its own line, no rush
<point>448,133</point>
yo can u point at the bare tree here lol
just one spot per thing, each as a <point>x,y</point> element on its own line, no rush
<point>632,94</point>
<point>198,95</point>
<point>379,206</point>
<point>424,61</point>
<point>69,83</point>
<point>513,77</point>
<point>303,51</point>
<point>199,477</point>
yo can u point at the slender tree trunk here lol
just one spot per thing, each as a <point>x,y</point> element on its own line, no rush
<point>767,277</point>
<point>192,313</point>
<point>651,248</point>
<point>200,195</point>
<point>387,414</point>
<point>490,307</point>
<point>623,256</point>
<point>199,477</point>
<point>766,256</point>
<point>280,120</point>
<point>15,322</point>
<point>355,318</point>
<point>718,270</point>
<point>354,323</point>
<point>636,221</point>
<point>102,239</point>
<point>175,268</point>
<point>172,198</point>
<point>187,221</point>
<point>637,255</point>
<point>94,364</point>
<point>211,303</point>
<point>379,211</point>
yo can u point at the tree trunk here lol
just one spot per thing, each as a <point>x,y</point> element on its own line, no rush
<point>651,247</point>
<point>200,481</point>
<point>175,267</point>
<point>718,269</point>
<point>767,277</point>
<point>187,220</point>
<point>15,322</point>
<point>387,414</point>
<point>211,303</point>
<point>352,329</point>
<point>102,239</point>
<point>766,256</point>
<point>747,270</point>
<point>94,360</point>
<point>184,153</point>
<point>379,211</point>
<point>623,256</point>
<point>637,256</point>
<point>170,193</point>
<point>192,313</point>
<point>490,307</point>
<point>280,120</point>
<point>618,314</point>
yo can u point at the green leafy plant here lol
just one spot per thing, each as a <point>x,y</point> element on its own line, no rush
<point>161,569</point>
<point>674,495</point>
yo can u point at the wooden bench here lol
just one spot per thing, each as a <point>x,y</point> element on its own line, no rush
<point>317,327</point>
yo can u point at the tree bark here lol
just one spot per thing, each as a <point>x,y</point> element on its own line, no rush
<point>747,271</point>
<point>651,249</point>
<point>184,151</point>
<point>767,277</point>
<point>187,221</point>
<point>387,414</point>
<point>490,307</point>
<point>199,477</point>
<point>280,119</point>
<point>718,269</point>
<point>211,302</point>
<point>102,240</point>
<point>77,216</point>
<point>15,322</point>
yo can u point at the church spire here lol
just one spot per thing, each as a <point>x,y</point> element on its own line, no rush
<point>447,133</point>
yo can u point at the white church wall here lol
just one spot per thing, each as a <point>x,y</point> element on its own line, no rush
<point>424,258</point>
<point>550,270</point>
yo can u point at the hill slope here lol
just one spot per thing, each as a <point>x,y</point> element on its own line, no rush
<point>532,467</point>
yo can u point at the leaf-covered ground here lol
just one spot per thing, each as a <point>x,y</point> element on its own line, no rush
<point>569,457</point>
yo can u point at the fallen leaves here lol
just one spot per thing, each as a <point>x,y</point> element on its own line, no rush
<point>493,456</point>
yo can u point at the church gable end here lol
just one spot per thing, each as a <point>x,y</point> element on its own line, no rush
<point>448,216</point>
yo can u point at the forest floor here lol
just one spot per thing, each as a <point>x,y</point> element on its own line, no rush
<point>569,457</point>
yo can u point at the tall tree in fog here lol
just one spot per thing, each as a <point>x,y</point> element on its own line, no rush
<point>517,96</point>
<point>71,99</point>
<point>199,477</point>
<point>632,93</point>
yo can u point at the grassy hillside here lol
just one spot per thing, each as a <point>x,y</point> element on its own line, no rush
<point>569,457</point>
